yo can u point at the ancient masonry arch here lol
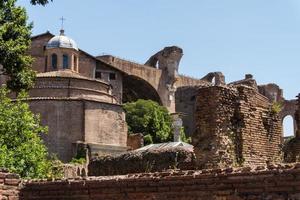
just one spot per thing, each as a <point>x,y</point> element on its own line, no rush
<point>289,108</point>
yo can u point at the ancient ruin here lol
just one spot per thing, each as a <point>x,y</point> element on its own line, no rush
<point>238,150</point>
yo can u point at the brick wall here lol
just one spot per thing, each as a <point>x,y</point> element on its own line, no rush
<point>235,126</point>
<point>277,182</point>
<point>9,185</point>
<point>292,146</point>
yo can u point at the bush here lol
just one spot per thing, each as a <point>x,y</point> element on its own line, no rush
<point>152,120</point>
<point>148,117</point>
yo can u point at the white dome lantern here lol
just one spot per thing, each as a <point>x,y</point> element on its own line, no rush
<point>61,41</point>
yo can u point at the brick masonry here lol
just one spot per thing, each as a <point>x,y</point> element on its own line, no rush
<point>273,183</point>
<point>9,185</point>
<point>235,126</point>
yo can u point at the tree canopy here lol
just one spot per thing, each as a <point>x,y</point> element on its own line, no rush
<point>14,44</point>
<point>150,119</point>
<point>41,2</point>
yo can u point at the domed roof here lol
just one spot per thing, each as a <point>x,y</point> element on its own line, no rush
<point>61,41</point>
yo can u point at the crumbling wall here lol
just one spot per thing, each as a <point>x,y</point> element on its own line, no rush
<point>213,145</point>
<point>9,185</point>
<point>275,183</point>
<point>260,128</point>
<point>235,126</point>
<point>291,148</point>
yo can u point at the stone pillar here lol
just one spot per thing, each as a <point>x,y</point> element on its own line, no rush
<point>71,61</point>
<point>176,126</point>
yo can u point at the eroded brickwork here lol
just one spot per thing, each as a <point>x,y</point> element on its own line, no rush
<point>276,182</point>
<point>235,126</point>
<point>9,185</point>
<point>291,147</point>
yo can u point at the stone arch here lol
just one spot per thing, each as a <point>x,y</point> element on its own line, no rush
<point>289,108</point>
<point>135,88</point>
<point>288,120</point>
<point>216,78</point>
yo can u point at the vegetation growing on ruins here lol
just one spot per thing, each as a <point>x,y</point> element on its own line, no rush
<point>276,107</point>
<point>150,119</point>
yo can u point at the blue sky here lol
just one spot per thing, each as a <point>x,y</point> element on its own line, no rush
<point>232,36</point>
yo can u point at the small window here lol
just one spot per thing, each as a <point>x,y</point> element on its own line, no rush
<point>46,60</point>
<point>65,61</point>
<point>98,75</point>
<point>75,62</point>
<point>54,61</point>
<point>112,76</point>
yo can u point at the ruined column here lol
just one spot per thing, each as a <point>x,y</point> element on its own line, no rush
<point>176,125</point>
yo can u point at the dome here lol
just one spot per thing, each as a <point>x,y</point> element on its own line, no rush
<point>61,41</point>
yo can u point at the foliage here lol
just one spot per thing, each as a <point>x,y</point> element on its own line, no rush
<point>148,139</point>
<point>183,137</point>
<point>78,161</point>
<point>149,118</point>
<point>14,43</point>
<point>21,149</point>
<point>276,107</point>
<point>152,120</point>
<point>41,2</point>
<point>55,168</point>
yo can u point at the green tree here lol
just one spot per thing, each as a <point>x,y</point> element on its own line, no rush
<point>14,44</point>
<point>150,119</point>
<point>41,2</point>
<point>21,149</point>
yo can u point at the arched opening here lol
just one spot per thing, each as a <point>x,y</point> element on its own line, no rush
<point>135,88</point>
<point>288,126</point>
<point>54,61</point>
<point>65,61</point>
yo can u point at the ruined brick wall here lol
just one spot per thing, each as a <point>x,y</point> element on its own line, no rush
<point>235,126</point>
<point>261,128</point>
<point>213,144</point>
<point>291,146</point>
<point>280,183</point>
<point>9,185</point>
